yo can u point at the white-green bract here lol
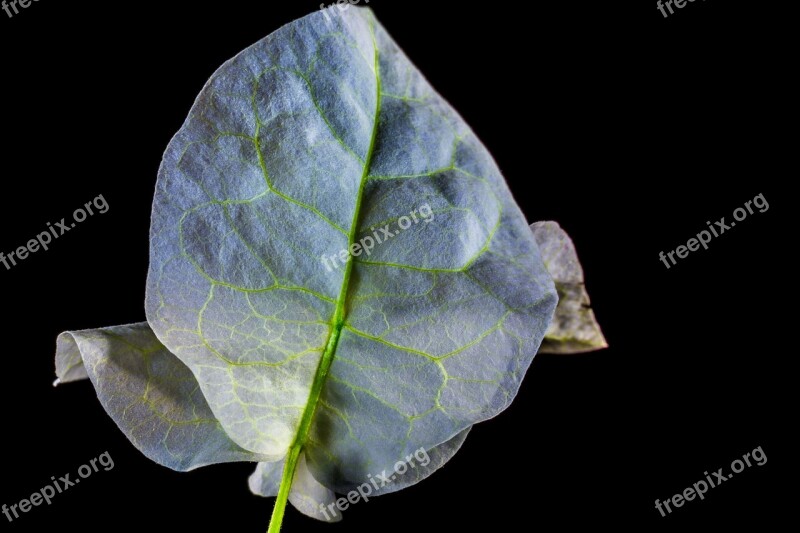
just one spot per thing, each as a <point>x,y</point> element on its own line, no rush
<point>301,145</point>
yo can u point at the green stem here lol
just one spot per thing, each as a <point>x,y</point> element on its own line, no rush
<point>283,493</point>
<point>333,340</point>
<point>305,425</point>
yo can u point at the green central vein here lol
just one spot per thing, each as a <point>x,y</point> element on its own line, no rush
<point>337,324</point>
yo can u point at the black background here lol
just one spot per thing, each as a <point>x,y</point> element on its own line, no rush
<point>629,129</point>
